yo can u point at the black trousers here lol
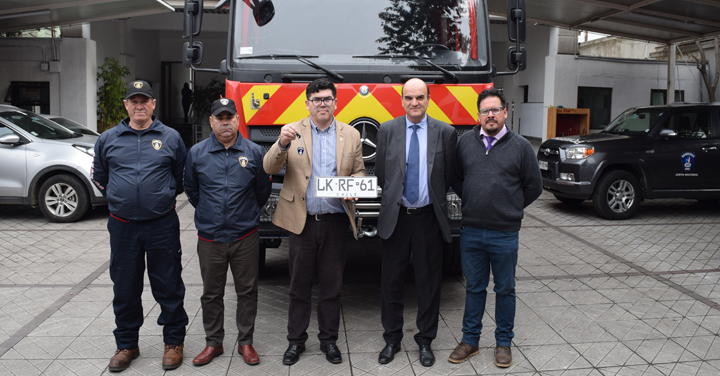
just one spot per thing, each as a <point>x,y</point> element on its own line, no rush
<point>130,243</point>
<point>419,236</point>
<point>320,247</point>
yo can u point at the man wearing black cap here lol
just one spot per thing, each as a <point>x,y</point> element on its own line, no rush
<point>138,167</point>
<point>226,183</point>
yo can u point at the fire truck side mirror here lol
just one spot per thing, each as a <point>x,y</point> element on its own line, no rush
<point>263,11</point>
<point>192,55</point>
<point>517,59</point>
<point>516,20</point>
<point>193,18</point>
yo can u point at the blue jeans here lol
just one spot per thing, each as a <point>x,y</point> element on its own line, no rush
<point>481,251</point>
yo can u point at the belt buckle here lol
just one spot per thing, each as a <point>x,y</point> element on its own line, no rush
<point>317,219</point>
<point>410,210</point>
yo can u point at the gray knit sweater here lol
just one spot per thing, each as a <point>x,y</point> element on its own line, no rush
<point>496,185</point>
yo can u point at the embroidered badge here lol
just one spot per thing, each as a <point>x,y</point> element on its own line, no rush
<point>688,160</point>
<point>301,150</point>
<point>224,101</point>
<point>138,84</point>
<point>157,144</point>
<point>243,161</point>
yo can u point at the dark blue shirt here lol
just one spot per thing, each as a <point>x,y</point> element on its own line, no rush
<point>139,172</point>
<point>227,187</point>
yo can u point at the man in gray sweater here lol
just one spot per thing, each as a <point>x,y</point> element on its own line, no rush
<point>497,177</point>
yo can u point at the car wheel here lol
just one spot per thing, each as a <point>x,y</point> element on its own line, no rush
<point>62,198</point>
<point>617,195</point>
<point>569,201</point>
<point>451,264</point>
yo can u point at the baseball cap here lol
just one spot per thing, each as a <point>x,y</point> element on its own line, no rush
<point>223,104</point>
<point>139,87</point>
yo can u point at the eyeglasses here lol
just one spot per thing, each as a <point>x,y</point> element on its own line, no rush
<point>326,101</point>
<point>494,110</point>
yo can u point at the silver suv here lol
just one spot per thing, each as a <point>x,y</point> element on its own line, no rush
<point>44,164</point>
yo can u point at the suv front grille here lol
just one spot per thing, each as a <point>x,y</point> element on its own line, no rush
<point>550,153</point>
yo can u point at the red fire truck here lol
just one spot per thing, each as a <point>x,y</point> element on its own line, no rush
<point>368,48</point>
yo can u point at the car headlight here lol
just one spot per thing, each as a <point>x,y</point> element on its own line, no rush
<point>86,150</point>
<point>581,152</point>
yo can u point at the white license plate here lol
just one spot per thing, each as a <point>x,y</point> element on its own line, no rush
<point>543,165</point>
<point>345,186</point>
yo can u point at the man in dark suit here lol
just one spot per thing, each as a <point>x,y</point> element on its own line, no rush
<point>415,168</point>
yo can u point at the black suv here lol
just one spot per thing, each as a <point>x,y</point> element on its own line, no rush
<point>645,153</point>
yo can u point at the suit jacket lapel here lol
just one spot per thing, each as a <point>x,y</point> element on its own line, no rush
<point>403,141</point>
<point>306,138</point>
<point>432,141</point>
<point>339,145</point>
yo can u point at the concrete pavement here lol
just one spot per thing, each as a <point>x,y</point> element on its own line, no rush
<point>595,297</point>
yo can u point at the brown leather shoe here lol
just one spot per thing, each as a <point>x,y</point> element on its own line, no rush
<point>122,359</point>
<point>503,356</point>
<point>173,356</point>
<point>207,355</point>
<point>463,352</point>
<point>250,356</point>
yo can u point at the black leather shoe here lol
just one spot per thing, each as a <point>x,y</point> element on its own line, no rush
<point>388,353</point>
<point>427,359</point>
<point>292,354</point>
<point>332,353</point>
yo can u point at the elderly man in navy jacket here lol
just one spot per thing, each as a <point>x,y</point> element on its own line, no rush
<point>138,166</point>
<point>226,183</point>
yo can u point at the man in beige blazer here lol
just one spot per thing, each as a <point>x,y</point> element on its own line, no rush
<point>313,147</point>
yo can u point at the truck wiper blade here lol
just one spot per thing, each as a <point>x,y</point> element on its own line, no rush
<point>274,56</point>
<point>301,58</point>
<point>388,56</point>
<point>452,75</point>
<point>336,76</point>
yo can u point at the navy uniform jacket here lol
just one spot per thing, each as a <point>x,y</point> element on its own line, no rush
<point>140,173</point>
<point>227,187</point>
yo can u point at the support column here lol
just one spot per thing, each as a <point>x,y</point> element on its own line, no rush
<point>672,54</point>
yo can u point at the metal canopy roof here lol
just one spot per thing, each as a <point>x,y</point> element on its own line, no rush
<point>662,21</point>
<point>16,15</point>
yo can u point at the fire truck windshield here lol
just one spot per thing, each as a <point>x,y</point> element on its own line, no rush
<point>442,36</point>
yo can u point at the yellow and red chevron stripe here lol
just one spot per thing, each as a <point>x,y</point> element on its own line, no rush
<point>285,103</point>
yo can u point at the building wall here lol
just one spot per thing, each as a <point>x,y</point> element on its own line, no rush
<point>553,78</point>
<point>72,86</point>
<point>631,80</point>
<point>144,43</point>
<point>524,118</point>
<point>78,99</point>
<point>687,51</point>
<point>617,47</point>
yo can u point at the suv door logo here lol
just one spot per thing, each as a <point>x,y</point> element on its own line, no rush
<point>688,160</point>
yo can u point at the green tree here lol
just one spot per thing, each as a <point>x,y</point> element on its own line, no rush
<point>110,109</point>
<point>409,24</point>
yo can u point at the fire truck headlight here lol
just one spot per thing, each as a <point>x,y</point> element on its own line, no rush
<point>454,207</point>
<point>267,212</point>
